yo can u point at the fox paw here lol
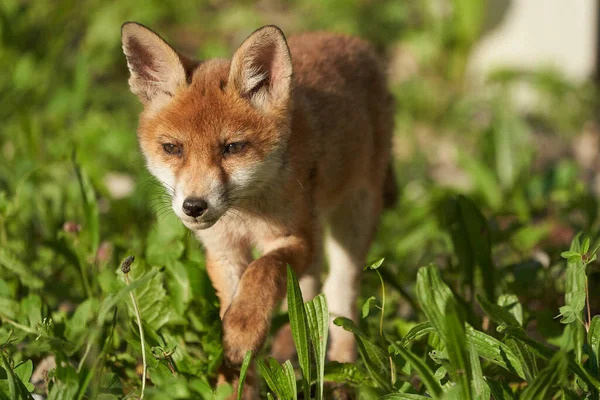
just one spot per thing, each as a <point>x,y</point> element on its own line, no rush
<point>243,329</point>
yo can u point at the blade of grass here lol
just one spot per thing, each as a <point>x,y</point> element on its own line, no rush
<point>243,372</point>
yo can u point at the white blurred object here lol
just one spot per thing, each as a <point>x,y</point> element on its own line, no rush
<point>535,34</point>
<point>119,185</point>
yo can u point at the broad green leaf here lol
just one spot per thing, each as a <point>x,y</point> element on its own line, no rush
<point>374,357</point>
<point>66,390</point>
<point>525,356</point>
<point>416,332</point>
<point>347,373</point>
<point>281,380</point>
<point>547,353</point>
<point>456,346</point>
<point>23,371</point>
<point>499,391</point>
<point>76,326</point>
<point>554,374</point>
<point>433,295</point>
<point>156,306</point>
<point>569,254</point>
<point>481,391</point>
<point>165,241</point>
<point>318,328</point>
<point>179,285</point>
<point>366,308</point>
<point>112,300</point>
<point>288,370</point>
<point>111,383</point>
<point>423,372</point>
<point>585,246</point>
<point>270,377</point>
<point>510,302</point>
<point>299,325</point>
<point>497,313</point>
<point>243,372</point>
<point>32,305</point>
<point>567,314</point>
<point>14,265</point>
<point>594,342</point>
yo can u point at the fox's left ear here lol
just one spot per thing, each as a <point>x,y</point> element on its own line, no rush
<point>157,70</point>
<point>261,69</point>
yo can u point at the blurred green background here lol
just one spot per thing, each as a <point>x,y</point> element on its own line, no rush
<point>75,198</point>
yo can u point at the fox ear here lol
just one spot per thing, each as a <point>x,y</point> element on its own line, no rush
<point>157,71</point>
<point>261,69</point>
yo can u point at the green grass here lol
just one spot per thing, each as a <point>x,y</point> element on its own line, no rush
<point>476,299</point>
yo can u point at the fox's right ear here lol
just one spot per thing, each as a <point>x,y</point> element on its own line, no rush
<point>157,70</point>
<point>261,69</point>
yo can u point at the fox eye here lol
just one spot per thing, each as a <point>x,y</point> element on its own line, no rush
<point>235,147</point>
<point>172,149</point>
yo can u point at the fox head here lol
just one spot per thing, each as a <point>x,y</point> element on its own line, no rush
<point>215,132</point>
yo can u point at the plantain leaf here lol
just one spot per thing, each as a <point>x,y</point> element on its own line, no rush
<point>347,373</point>
<point>510,303</point>
<point>497,313</point>
<point>555,373</point>
<point>499,391</point>
<point>374,357</point>
<point>547,353</point>
<point>456,346</point>
<point>433,295</point>
<point>424,373</point>
<point>525,356</point>
<point>318,328</point>
<point>481,391</point>
<point>299,326</point>
<point>280,379</point>
<point>416,332</point>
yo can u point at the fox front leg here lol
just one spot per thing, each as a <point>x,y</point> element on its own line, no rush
<point>263,285</point>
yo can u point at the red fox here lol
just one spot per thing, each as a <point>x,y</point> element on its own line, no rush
<point>283,145</point>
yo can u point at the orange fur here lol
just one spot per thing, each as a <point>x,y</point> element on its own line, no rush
<point>316,139</point>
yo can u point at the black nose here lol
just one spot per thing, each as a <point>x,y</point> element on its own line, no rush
<point>194,207</point>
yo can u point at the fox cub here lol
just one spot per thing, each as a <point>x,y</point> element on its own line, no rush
<point>277,148</point>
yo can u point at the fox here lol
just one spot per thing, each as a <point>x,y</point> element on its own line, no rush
<point>285,150</point>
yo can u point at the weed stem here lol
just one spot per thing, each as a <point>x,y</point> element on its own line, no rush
<point>125,267</point>
<point>18,325</point>
<point>382,303</point>
<point>587,300</point>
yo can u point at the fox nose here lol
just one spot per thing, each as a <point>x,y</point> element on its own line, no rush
<point>194,207</point>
